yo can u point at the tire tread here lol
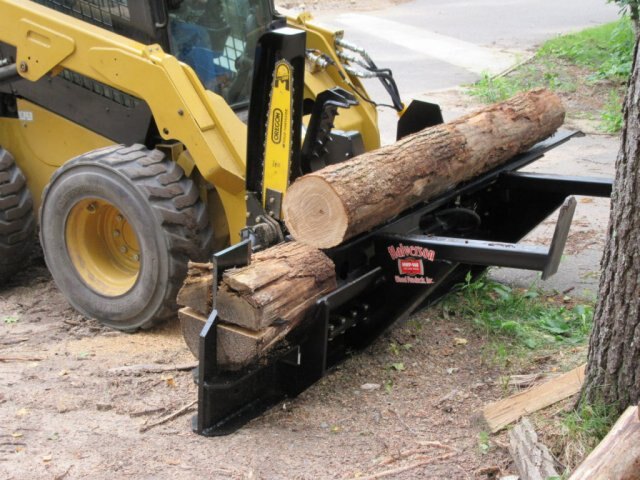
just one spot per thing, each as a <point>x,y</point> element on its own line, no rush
<point>17,220</point>
<point>181,214</point>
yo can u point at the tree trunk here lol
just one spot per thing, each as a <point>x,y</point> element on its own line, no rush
<point>613,366</point>
<point>326,207</point>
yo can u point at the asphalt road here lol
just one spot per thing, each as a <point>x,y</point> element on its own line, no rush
<point>438,44</point>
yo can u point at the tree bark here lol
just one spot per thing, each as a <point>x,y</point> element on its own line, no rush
<point>532,458</point>
<point>324,208</point>
<point>257,305</point>
<point>613,365</point>
<point>280,285</point>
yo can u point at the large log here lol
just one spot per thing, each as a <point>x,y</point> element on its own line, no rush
<point>618,454</point>
<point>324,208</point>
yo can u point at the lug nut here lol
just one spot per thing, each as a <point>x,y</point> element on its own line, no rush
<point>91,208</point>
<point>116,233</point>
<point>123,249</point>
<point>119,217</point>
<point>136,258</point>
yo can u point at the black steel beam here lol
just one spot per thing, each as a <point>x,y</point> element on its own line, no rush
<point>567,185</point>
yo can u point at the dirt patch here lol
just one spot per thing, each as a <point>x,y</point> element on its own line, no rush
<point>64,411</point>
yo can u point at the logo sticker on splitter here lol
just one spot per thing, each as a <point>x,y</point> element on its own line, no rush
<point>410,266</point>
<point>411,260</point>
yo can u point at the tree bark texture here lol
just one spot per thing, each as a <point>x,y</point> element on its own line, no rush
<point>279,286</point>
<point>258,305</point>
<point>326,207</point>
<point>532,458</point>
<point>613,366</point>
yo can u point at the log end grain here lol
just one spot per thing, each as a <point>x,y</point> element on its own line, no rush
<point>314,213</point>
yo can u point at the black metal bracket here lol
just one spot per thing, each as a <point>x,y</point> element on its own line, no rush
<point>407,258</point>
<point>325,109</point>
<point>418,116</point>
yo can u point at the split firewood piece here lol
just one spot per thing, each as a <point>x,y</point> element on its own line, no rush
<point>618,454</point>
<point>197,289</point>
<point>279,286</point>
<point>327,207</point>
<point>501,413</point>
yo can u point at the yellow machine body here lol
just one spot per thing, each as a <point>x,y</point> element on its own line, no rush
<point>213,137</point>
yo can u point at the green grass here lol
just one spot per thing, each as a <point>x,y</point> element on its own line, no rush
<point>611,117</point>
<point>582,429</point>
<point>567,63</point>
<point>519,317</point>
<point>606,49</point>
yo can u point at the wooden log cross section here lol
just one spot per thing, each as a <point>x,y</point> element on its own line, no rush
<point>327,207</point>
<point>260,304</point>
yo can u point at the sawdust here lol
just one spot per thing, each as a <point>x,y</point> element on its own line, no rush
<point>69,413</point>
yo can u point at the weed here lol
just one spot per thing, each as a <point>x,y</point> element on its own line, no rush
<point>607,49</point>
<point>388,386</point>
<point>484,444</point>
<point>10,319</point>
<point>521,315</point>
<point>398,367</point>
<point>582,430</point>
<point>494,89</point>
<point>611,117</point>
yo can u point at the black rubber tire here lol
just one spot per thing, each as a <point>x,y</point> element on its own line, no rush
<point>17,221</point>
<point>161,204</point>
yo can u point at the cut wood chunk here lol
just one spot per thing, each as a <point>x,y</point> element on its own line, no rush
<point>532,458</point>
<point>501,413</point>
<point>280,285</point>
<point>197,289</point>
<point>618,454</point>
<point>236,347</point>
<point>325,208</point>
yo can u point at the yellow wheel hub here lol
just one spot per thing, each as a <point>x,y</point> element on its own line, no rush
<point>103,247</point>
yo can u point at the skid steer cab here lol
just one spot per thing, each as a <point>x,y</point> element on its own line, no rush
<point>136,135</point>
